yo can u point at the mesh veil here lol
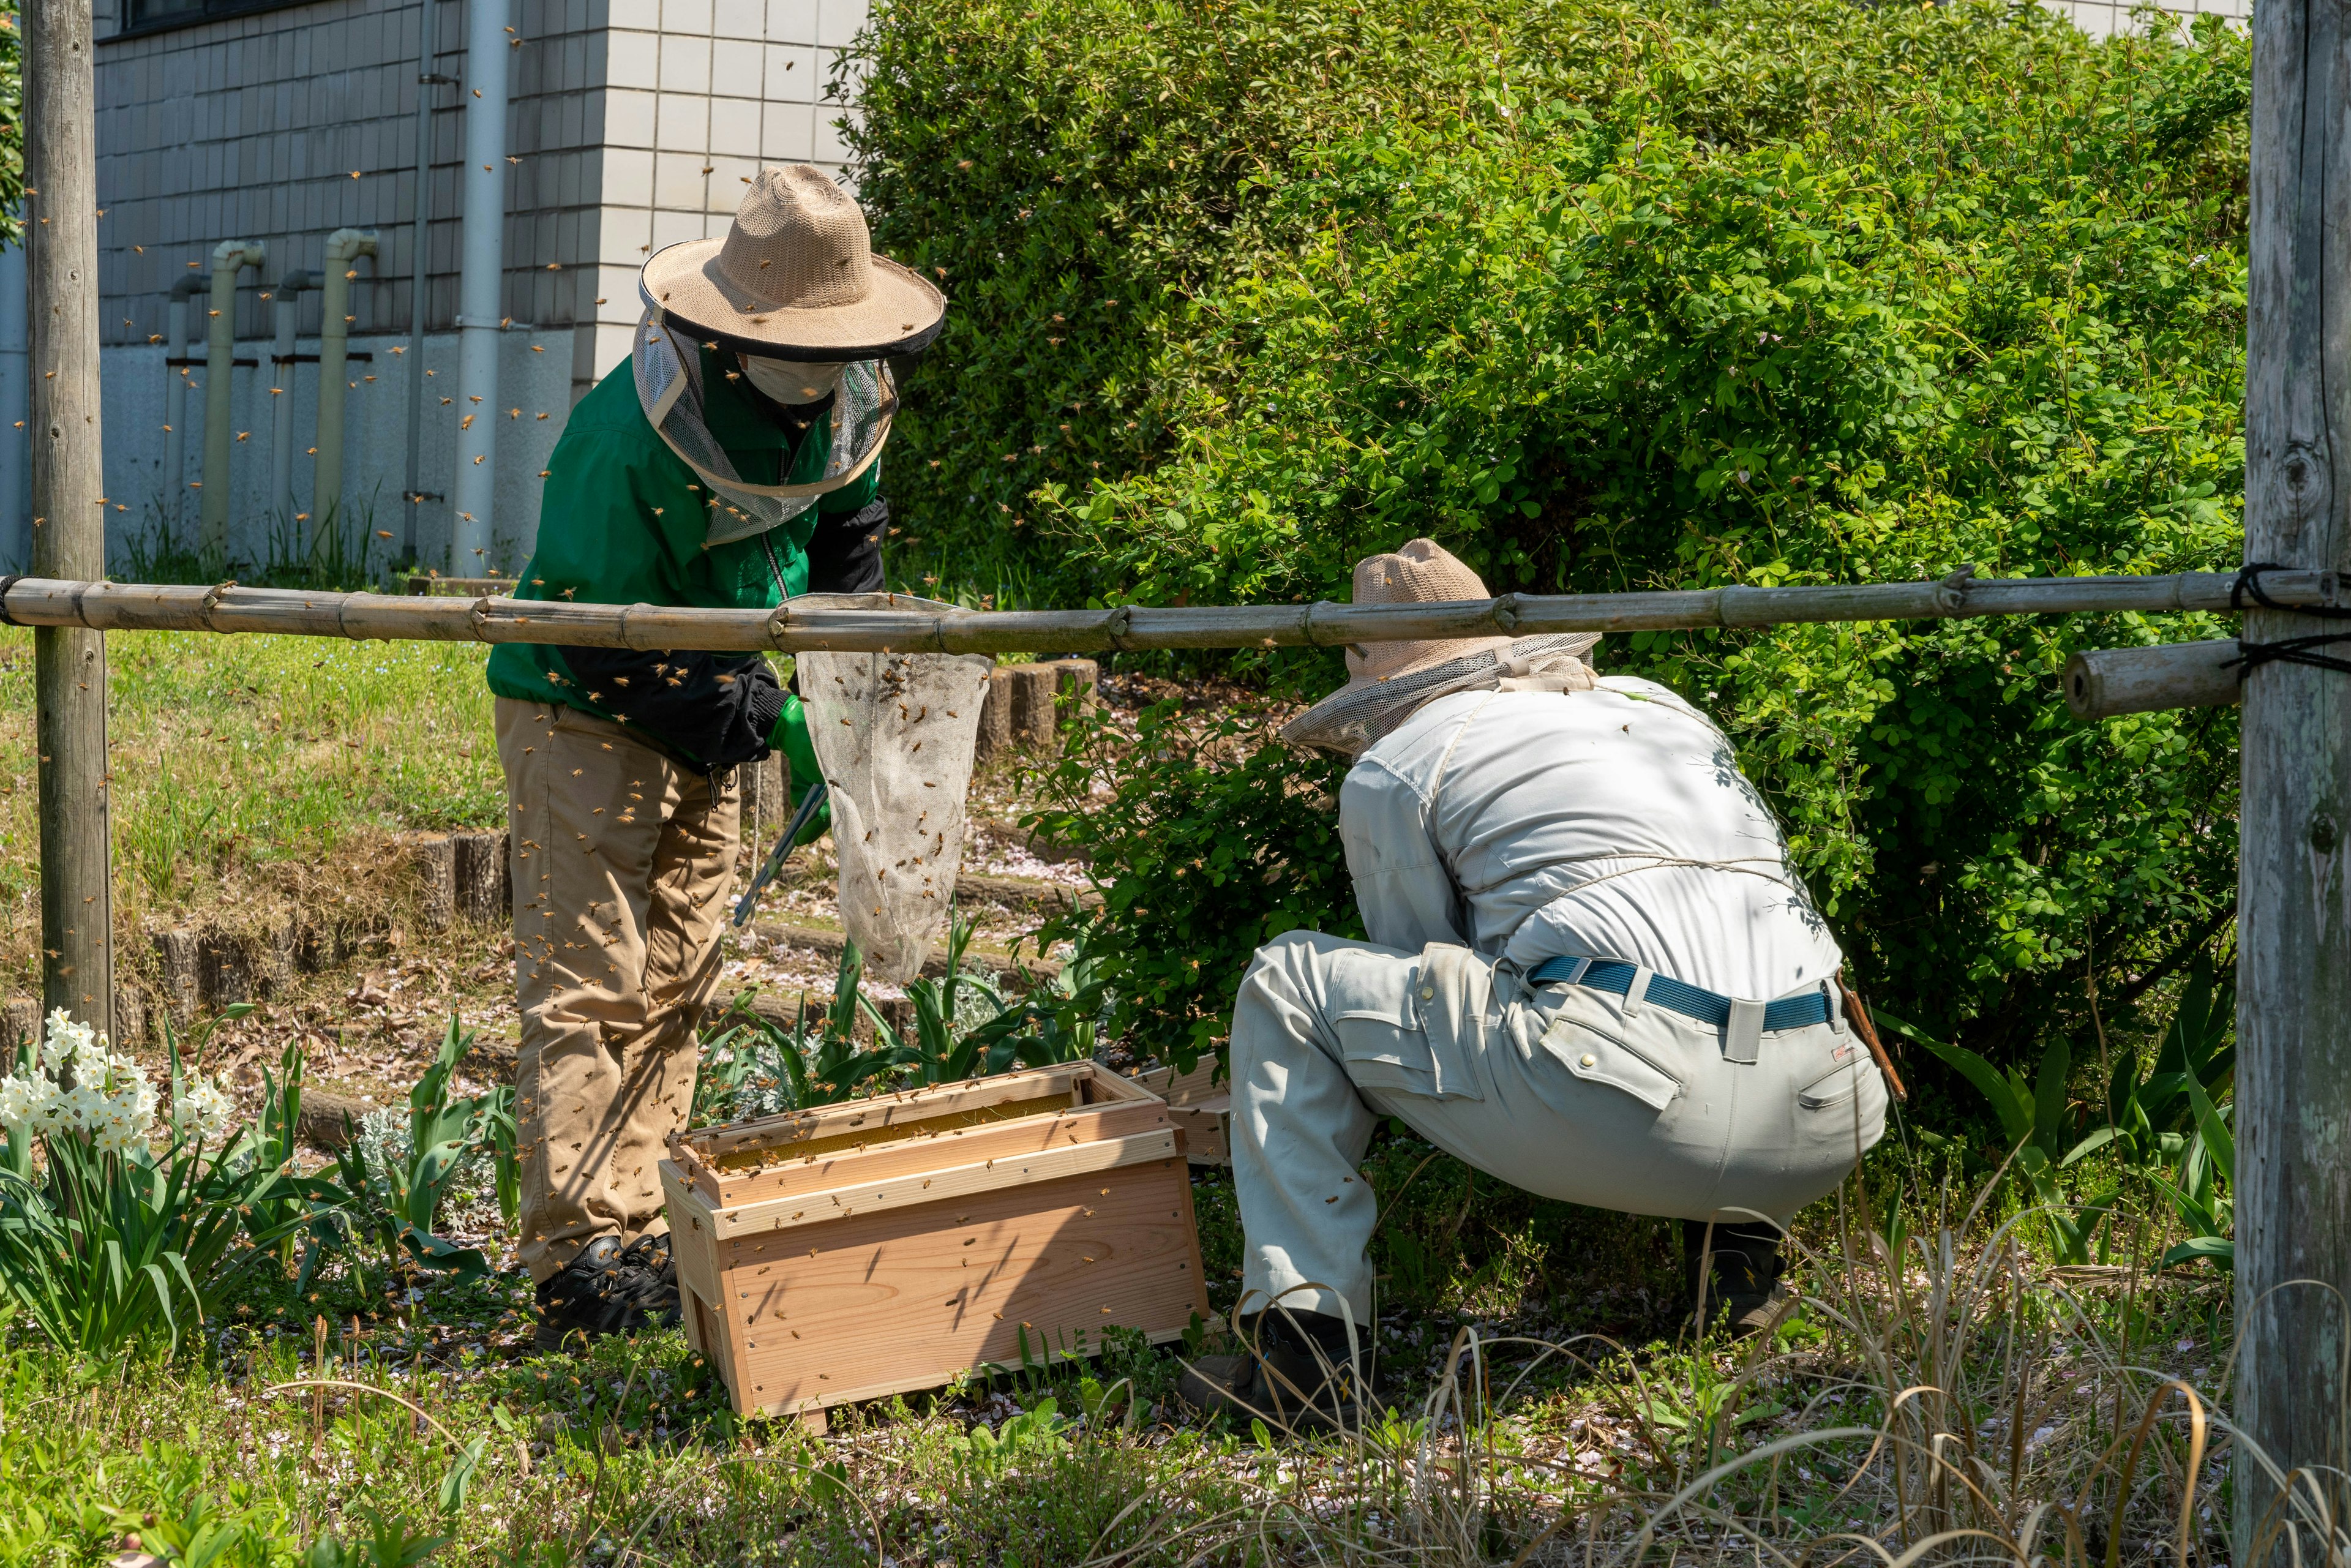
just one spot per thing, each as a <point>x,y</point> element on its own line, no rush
<point>895,734</point>
<point>1363,711</point>
<point>669,389</point>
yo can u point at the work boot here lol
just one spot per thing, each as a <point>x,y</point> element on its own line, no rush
<point>1297,1375</point>
<point>1744,1293</point>
<point>609,1289</point>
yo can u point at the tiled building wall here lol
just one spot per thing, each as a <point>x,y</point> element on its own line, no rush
<point>2103,18</point>
<point>698,94</point>
<point>634,123</point>
<point>289,124</point>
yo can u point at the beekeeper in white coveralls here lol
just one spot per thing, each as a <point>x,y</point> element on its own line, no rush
<point>1591,972</point>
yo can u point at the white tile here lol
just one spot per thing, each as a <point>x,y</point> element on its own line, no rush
<point>628,178</point>
<point>633,59</point>
<point>679,179</point>
<point>735,68</point>
<point>628,118</point>
<point>639,14</point>
<point>740,19</point>
<point>620,243</point>
<point>613,344</point>
<point>839,21</point>
<point>671,228</point>
<point>682,123</point>
<point>791,21</point>
<point>685,64</point>
<point>731,182</point>
<point>792,74</point>
<point>787,133</point>
<point>686,16</point>
<point>735,126</point>
<point>830,147</point>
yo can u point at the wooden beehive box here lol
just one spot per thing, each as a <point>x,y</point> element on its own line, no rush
<point>886,1245</point>
<point>1201,1110</point>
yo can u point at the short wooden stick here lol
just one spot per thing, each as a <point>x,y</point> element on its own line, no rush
<point>2101,683</point>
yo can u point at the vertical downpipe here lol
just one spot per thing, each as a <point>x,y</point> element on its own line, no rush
<point>15,413</point>
<point>344,246</point>
<point>420,243</point>
<point>175,404</point>
<point>286,309</point>
<point>480,287</point>
<point>230,257</point>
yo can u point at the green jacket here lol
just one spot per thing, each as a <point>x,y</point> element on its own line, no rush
<point>622,521</point>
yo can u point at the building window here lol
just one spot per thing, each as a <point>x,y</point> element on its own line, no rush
<point>143,15</point>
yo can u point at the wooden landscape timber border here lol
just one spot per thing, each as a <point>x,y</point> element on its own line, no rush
<point>228,608</point>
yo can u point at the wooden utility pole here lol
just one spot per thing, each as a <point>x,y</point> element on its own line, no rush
<point>68,507</point>
<point>2293,922</point>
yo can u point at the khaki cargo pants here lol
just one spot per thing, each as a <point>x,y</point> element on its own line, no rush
<point>622,862</point>
<point>1567,1092</point>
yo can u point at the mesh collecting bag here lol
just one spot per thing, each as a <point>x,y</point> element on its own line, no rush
<point>894,734</point>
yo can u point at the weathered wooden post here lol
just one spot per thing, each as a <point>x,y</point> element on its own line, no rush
<point>69,506</point>
<point>2293,931</point>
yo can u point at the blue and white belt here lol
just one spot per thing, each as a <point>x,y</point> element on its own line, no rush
<point>1743,1023</point>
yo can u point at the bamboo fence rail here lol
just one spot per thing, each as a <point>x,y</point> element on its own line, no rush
<point>811,624</point>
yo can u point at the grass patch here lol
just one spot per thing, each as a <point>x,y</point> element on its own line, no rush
<point>1511,1438</point>
<point>244,764</point>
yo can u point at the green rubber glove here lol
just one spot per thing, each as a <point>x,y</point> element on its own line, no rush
<point>790,736</point>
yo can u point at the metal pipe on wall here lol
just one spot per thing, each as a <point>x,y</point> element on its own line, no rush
<point>420,244</point>
<point>286,309</point>
<point>230,257</point>
<point>481,285</point>
<point>15,413</point>
<point>344,246</point>
<point>175,401</point>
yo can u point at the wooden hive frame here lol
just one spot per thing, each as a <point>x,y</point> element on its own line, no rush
<point>858,1250</point>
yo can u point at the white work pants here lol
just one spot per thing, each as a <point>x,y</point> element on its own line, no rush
<point>1562,1091</point>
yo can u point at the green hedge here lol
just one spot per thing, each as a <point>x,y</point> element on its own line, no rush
<point>1603,297</point>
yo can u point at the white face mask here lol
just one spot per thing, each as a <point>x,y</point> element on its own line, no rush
<point>786,382</point>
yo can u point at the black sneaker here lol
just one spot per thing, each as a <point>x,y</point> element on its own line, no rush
<point>1297,1377</point>
<point>609,1289</point>
<point>1743,1292</point>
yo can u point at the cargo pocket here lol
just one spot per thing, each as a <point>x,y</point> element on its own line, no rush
<point>1837,1087</point>
<point>1383,1052</point>
<point>1598,1058</point>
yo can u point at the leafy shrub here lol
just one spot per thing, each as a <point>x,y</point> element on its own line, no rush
<point>1765,291</point>
<point>1222,840</point>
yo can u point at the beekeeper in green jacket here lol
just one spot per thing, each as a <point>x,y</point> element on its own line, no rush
<point>731,462</point>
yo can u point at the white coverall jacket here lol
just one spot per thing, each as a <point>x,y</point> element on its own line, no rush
<point>1490,832</point>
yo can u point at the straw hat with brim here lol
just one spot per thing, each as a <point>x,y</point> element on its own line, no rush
<point>1387,681</point>
<point>795,278</point>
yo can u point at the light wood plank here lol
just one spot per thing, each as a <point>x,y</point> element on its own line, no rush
<point>894,1302</point>
<point>952,1183</point>
<point>925,1155</point>
<point>779,1131</point>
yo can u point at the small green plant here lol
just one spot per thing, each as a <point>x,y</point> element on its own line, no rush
<point>1036,1432</point>
<point>755,1065</point>
<point>192,1527</point>
<point>391,1541</point>
<point>2203,1194</point>
<point>107,1242</point>
<point>2144,1117</point>
<point>2031,1113</point>
<point>396,1197</point>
